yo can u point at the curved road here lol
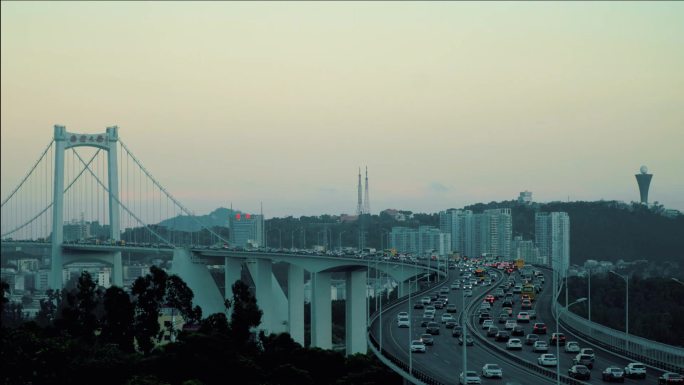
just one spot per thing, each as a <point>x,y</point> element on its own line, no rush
<point>443,360</point>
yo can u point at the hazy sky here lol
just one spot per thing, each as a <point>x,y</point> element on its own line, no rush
<point>448,103</point>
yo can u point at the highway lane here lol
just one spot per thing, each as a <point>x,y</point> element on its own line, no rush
<point>542,305</point>
<point>443,360</point>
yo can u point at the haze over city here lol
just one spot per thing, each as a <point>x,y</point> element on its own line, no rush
<point>447,104</point>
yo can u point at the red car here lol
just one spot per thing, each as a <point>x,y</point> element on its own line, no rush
<point>490,298</point>
<point>557,337</point>
<point>539,328</point>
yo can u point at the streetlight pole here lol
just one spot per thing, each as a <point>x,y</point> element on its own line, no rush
<point>678,281</point>
<point>463,334</point>
<point>589,294</point>
<point>339,239</point>
<point>410,334</point>
<point>626,300</point>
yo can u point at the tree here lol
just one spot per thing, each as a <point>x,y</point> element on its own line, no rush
<point>246,314</point>
<point>77,316</point>
<point>48,308</point>
<point>117,323</point>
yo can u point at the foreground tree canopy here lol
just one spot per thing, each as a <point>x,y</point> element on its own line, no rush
<point>87,334</point>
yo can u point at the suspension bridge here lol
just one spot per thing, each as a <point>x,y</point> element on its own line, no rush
<point>92,184</point>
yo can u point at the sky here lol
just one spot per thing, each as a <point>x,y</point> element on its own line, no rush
<point>446,103</point>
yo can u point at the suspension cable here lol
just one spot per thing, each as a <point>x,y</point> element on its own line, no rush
<point>28,174</point>
<point>119,202</point>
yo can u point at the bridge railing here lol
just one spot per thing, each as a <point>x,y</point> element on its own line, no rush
<point>414,375</point>
<point>653,353</point>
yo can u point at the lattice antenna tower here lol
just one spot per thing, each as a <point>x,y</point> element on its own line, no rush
<point>366,201</point>
<point>359,204</point>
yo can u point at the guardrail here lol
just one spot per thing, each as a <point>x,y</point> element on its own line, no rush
<point>659,355</point>
<point>530,366</point>
<point>656,354</point>
<point>414,375</point>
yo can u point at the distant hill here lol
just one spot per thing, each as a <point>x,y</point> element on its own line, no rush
<point>218,217</point>
<point>606,230</point>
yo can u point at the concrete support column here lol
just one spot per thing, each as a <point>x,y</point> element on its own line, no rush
<point>321,311</point>
<point>356,312</point>
<point>55,281</point>
<point>403,288</point>
<point>295,292</point>
<point>264,292</point>
<point>233,272</point>
<point>117,269</point>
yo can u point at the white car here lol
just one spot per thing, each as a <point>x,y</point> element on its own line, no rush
<point>487,323</point>
<point>510,324</point>
<point>572,347</point>
<point>417,346</point>
<point>540,346</point>
<point>468,292</point>
<point>635,369</point>
<point>403,322</point>
<point>492,370</point>
<point>425,300</point>
<point>455,286</point>
<point>470,378</point>
<point>588,351</point>
<point>514,344</point>
<point>447,317</point>
<point>547,360</point>
<point>402,314</point>
<point>523,317</point>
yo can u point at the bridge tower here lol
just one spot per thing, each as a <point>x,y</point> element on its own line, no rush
<point>106,141</point>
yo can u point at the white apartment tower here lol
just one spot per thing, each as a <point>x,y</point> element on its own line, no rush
<point>552,235</point>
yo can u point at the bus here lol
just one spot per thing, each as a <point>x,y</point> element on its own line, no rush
<point>528,289</point>
<point>479,273</point>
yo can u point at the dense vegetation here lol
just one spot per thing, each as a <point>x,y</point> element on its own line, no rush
<point>84,335</point>
<point>656,305</point>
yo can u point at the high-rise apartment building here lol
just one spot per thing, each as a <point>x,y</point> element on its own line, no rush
<point>476,234</point>
<point>247,230</point>
<point>552,236</point>
<point>422,241</point>
<point>525,250</point>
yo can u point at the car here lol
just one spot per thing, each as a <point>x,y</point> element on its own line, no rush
<point>572,347</point>
<point>613,373</point>
<point>502,335</point>
<point>444,298</point>
<point>418,305</point>
<point>532,313</point>
<point>469,378</point>
<point>432,328</point>
<point>430,309</point>
<point>403,322</point>
<point>451,308</point>
<point>583,359</point>
<point>530,339</point>
<point>439,304</point>
<point>427,339</point>
<point>539,328</point>
<point>469,340</point>
<point>514,344</point>
<point>427,318</point>
<point>507,302</point>
<point>547,360</point>
<point>457,331</point>
<point>402,314</point>
<point>468,292</point>
<point>510,324</point>
<point>447,317</point>
<point>635,370</point>
<point>434,295</point>
<point>492,371</point>
<point>526,304</point>
<point>425,300</point>
<point>455,286</point>
<point>523,317</point>
<point>451,324</point>
<point>540,346</point>
<point>485,306</point>
<point>518,331</point>
<point>557,338</point>
<point>579,372</point>
<point>588,351</point>
<point>444,290</point>
<point>508,310</point>
<point>491,332</point>
<point>670,378</point>
<point>503,317</point>
<point>487,323</point>
<point>484,317</point>
<point>490,298</point>
<point>417,346</point>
